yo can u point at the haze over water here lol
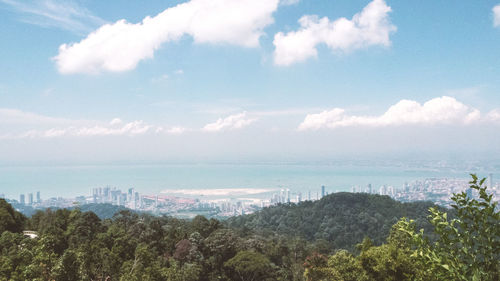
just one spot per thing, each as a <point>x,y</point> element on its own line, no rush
<point>71,181</point>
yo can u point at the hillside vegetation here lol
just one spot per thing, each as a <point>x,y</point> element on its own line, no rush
<point>340,219</point>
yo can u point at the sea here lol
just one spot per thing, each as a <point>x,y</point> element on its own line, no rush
<point>198,179</point>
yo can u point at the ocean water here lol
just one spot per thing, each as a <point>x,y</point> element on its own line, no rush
<point>71,181</point>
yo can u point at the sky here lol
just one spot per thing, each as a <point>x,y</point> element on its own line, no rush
<point>247,80</point>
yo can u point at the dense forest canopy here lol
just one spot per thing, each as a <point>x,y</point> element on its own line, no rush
<point>341,220</point>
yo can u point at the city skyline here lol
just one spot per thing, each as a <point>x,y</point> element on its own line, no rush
<point>436,190</point>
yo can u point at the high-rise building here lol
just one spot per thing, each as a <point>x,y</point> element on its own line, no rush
<point>288,195</point>
<point>370,188</point>
<point>490,181</point>
<point>114,198</point>
<point>2,195</point>
<point>30,198</point>
<point>106,194</point>
<point>122,199</point>
<point>21,199</point>
<point>299,197</point>
<point>390,190</point>
<point>136,200</point>
<point>38,198</point>
<point>383,190</point>
<point>130,195</point>
<point>309,196</point>
<point>276,198</point>
<point>322,191</point>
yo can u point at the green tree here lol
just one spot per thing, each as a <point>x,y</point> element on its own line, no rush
<point>186,272</point>
<point>67,267</point>
<point>468,247</point>
<point>317,269</point>
<point>10,219</point>
<point>249,266</point>
<point>347,266</point>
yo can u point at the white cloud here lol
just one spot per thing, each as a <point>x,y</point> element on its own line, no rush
<point>369,27</point>
<point>129,129</point>
<point>51,133</point>
<point>17,124</point>
<point>67,15</point>
<point>496,15</point>
<point>122,45</point>
<point>493,116</point>
<point>236,121</point>
<point>443,110</point>
<point>176,130</point>
<point>179,72</point>
<point>134,128</point>
<point>115,121</point>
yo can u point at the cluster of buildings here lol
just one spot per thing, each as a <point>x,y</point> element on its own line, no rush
<point>437,190</point>
<point>382,190</point>
<point>130,199</point>
<point>158,204</point>
<point>284,196</point>
<point>30,200</point>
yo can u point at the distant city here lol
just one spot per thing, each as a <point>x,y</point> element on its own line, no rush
<point>437,190</point>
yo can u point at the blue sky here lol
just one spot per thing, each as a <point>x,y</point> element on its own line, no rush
<point>92,81</point>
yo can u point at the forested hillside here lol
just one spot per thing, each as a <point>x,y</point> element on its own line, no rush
<point>102,210</point>
<point>76,245</point>
<point>341,220</point>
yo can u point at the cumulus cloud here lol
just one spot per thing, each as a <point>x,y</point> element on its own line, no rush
<point>236,121</point>
<point>442,110</point>
<point>369,27</point>
<point>496,15</point>
<point>120,46</point>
